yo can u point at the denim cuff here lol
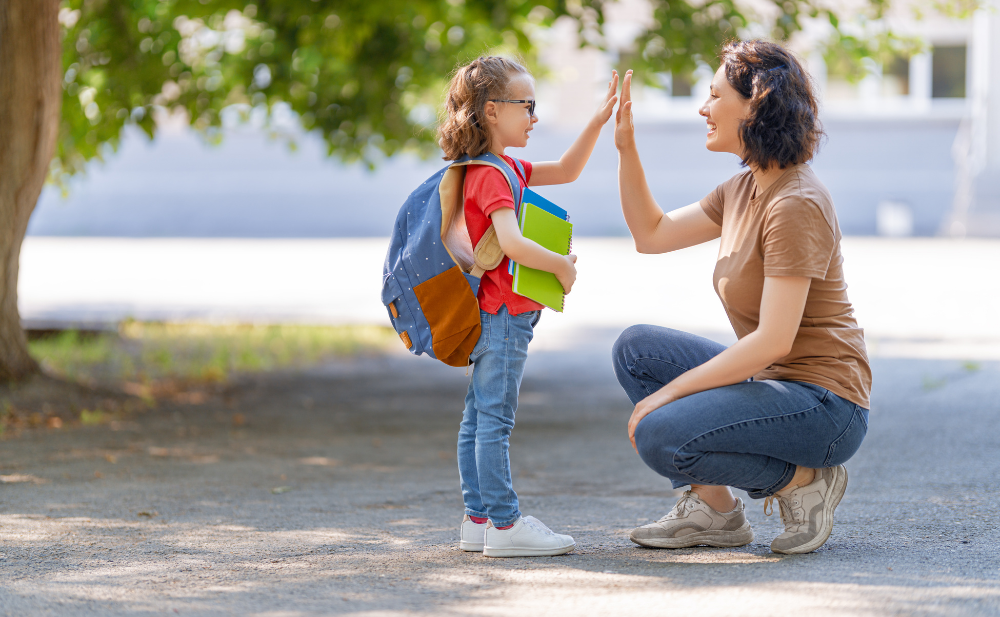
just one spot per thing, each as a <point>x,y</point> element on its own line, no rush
<point>469,512</point>
<point>777,486</point>
<point>506,523</point>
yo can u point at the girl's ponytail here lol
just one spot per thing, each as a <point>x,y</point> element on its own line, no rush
<point>462,131</point>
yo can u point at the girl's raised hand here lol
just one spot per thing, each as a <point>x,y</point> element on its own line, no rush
<point>608,106</point>
<point>624,128</point>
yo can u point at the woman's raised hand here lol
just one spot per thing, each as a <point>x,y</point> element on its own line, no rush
<point>608,106</point>
<point>624,128</point>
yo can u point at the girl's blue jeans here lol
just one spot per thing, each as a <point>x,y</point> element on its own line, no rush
<point>483,437</point>
<point>750,435</point>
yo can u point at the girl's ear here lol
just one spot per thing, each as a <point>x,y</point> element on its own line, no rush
<point>491,111</point>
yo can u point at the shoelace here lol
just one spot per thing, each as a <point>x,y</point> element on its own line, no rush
<point>769,504</point>
<point>685,503</point>
<point>538,525</point>
<point>789,516</point>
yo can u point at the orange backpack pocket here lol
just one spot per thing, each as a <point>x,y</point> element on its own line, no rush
<point>452,311</point>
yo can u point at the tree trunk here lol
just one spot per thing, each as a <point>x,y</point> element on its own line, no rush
<point>30,95</point>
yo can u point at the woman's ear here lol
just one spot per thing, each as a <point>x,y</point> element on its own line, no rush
<point>491,111</point>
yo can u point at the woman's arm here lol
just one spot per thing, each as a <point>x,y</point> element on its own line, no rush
<point>781,307</point>
<point>652,230</point>
<point>529,253</point>
<point>570,165</point>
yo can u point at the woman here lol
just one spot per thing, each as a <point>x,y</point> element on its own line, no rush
<point>779,412</point>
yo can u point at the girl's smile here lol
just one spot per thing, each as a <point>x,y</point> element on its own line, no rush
<point>511,123</point>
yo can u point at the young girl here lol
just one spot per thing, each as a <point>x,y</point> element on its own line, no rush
<point>490,107</point>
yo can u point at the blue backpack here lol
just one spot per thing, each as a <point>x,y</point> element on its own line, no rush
<point>432,273</point>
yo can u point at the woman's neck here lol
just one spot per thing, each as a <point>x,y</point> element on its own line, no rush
<point>765,178</point>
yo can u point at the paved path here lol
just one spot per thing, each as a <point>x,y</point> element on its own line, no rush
<point>178,511</point>
<point>339,493</point>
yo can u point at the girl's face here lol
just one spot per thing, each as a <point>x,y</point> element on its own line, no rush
<point>510,123</point>
<point>723,111</point>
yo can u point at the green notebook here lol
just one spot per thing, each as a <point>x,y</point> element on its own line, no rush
<point>553,233</point>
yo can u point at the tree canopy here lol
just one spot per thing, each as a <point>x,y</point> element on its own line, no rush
<point>366,74</point>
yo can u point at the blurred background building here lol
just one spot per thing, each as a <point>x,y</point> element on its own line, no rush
<point>913,149</point>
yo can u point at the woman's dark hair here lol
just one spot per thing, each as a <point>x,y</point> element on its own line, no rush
<point>783,126</point>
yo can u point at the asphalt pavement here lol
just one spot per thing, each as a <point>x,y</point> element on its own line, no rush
<point>337,493</point>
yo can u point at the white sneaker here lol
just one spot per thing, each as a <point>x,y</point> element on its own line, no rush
<point>472,535</point>
<point>527,538</point>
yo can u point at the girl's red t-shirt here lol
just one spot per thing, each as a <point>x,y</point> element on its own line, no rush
<point>486,191</point>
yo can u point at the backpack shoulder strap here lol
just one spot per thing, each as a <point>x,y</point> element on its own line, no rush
<point>488,253</point>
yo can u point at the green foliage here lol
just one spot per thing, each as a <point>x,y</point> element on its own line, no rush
<point>366,75</point>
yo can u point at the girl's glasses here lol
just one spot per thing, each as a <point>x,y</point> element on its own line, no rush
<point>531,103</point>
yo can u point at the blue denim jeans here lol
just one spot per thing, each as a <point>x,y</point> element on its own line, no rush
<point>750,435</point>
<point>483,437</point>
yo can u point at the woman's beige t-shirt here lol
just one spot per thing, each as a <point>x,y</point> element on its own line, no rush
<point>791,229</point>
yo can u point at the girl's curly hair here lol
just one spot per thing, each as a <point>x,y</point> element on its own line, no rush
<point>461,131</point>
<point>783,125</point>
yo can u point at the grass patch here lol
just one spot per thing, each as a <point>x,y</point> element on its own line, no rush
<point>151,352</point>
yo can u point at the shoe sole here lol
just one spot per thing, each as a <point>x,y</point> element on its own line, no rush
<point>831,501</point>
<point>527,552</point>
<point>471,547</point>
<point>717,539</point>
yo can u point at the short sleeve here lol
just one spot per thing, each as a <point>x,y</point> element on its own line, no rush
<point>797,239</point>
<point>489,189</point>
<point>713,203</point>
<point>527,171</point>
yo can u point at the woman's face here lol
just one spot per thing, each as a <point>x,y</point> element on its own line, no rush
<point>723,111</point>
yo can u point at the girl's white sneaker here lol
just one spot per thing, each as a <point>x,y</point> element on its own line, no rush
<point>529,537</point>
<point>472,535</point>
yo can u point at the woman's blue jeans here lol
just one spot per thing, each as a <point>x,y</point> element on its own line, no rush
<point>750,435</point>
<point>483,437</point>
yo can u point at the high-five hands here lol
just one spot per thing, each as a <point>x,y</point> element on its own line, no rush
<point>624,128</point>
<point>608,106</point>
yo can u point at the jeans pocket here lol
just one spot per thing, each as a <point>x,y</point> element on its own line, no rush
<point>483,344</point>
<point>536,318</point>
<point>844,447</point>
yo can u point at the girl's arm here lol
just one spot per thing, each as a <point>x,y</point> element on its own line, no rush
<point>570,165</point>
<point>652,230</point>
<point>781,307</point>
<point>528,252</point>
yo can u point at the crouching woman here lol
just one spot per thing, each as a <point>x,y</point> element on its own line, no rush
<point>777,413</point>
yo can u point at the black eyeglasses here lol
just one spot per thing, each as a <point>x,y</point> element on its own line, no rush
<point>531,104</point>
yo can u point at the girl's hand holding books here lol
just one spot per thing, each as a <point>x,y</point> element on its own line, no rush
<point>567,275</point>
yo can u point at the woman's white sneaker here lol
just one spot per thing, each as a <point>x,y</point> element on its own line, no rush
<point>807,511</point>
<point>472,535</point>
<point>529,537</point>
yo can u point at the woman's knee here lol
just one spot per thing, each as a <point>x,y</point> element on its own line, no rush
<point>629,346</point>
<point>655,445</point>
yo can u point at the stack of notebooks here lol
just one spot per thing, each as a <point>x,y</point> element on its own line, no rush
<point>548,225</point>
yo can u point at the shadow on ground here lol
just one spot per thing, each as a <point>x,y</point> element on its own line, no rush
<point>335,491</point>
